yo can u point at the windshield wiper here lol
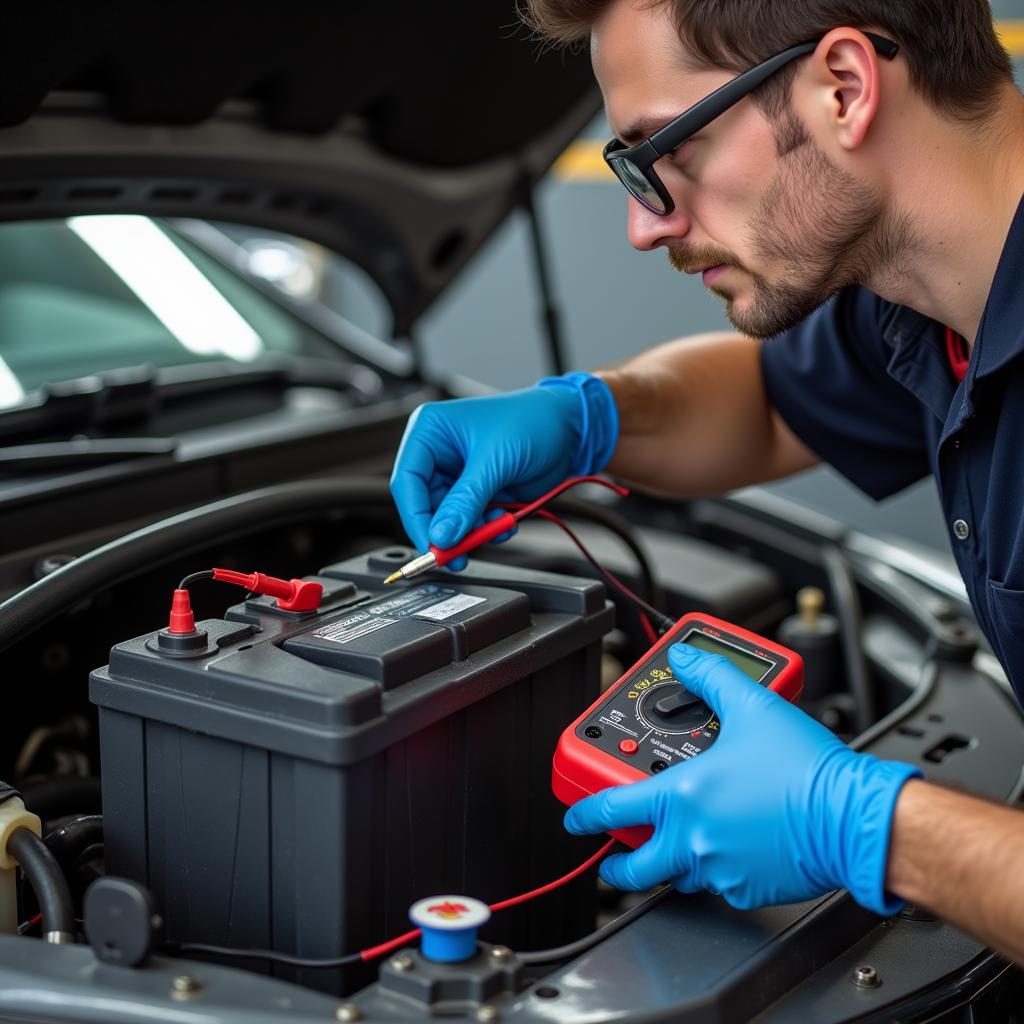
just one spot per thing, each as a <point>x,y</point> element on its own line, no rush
<point>83,403</point>
<point>82,453</point>
<point>131,396</point>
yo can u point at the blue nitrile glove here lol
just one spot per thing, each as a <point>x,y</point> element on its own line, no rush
<point>777,811</point>
<point>458,456</point>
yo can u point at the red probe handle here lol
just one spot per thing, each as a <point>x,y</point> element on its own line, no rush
<point>292,595</point>
<point>473,539</point>
<point>508,521</point>
<point>257,582</point>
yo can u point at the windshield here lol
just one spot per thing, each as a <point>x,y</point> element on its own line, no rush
<point>88,294</point>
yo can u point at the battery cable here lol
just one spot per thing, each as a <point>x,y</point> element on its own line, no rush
<point>574,949</point>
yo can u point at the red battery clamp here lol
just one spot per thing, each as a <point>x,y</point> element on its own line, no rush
<point>647,722</point>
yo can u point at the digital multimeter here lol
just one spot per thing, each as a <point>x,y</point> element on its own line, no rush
<point>647,722</point>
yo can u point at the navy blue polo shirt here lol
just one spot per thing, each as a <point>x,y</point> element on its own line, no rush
<point>868,386</point>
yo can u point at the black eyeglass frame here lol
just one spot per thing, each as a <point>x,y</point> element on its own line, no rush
<point>643,156</point>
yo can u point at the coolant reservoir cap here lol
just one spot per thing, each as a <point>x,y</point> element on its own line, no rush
<point>449,925</point>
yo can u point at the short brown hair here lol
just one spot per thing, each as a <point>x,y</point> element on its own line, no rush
<point>952,51</point>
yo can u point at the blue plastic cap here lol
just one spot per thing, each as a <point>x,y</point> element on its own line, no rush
<point>449,925</point>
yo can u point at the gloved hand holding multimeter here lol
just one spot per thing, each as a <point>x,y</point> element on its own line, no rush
<point>775,809</point>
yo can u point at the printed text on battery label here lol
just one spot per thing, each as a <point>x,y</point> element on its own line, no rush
<point>352,628</point>
<point>446,609</point>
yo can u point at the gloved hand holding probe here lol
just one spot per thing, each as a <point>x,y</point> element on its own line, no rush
<point>456,457</point>
<point>778,810</point>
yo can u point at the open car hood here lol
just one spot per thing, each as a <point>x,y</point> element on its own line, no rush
<point>399,136</point>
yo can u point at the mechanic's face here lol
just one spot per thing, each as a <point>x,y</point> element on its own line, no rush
<point>774,225</point>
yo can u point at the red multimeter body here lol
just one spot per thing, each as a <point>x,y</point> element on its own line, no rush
<point>647,722</point>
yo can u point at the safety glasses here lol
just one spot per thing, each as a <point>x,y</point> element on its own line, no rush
<point>634,166</point>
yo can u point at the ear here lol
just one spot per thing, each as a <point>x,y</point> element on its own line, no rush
<point>844,73</point>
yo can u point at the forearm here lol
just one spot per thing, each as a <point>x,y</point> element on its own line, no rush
<point>963,859</point>
<point>694,419</point>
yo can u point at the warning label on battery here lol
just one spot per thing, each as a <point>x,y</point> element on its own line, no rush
<point>429,601</point>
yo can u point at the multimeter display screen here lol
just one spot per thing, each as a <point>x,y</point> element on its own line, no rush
<point>756,668</point>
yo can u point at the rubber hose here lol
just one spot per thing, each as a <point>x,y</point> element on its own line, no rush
<point>43,872</point>
<point>62,795</point>
<point>848,612</point>
<point>138,552</point>
<point>72,839</point>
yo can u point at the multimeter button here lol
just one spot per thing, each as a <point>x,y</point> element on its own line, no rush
<point>628,746</point>
<point>676,702</point>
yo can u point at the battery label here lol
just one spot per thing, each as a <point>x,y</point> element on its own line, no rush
<point>452,606</point>
<point>428,601</point>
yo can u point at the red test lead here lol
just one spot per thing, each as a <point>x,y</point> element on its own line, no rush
<point>182,639</point>
<point>292,595</point>
<point>436,556</point>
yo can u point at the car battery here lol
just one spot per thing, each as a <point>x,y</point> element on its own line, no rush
<point>303,778</point>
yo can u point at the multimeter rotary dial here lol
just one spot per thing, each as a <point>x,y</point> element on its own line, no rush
<point>672,711</point>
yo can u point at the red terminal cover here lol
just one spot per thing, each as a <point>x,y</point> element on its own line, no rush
<point>305,597</point>
<point>580,770</point>
<point>181,619</point>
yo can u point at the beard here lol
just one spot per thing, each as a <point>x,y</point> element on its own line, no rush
<point>822,227</point>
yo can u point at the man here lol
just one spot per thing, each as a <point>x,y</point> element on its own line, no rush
<point>854,195</point>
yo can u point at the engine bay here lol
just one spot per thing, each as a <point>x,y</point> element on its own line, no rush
<point>298,782</point>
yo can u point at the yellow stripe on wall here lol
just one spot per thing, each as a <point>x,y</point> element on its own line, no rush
<point>582,161</point>
<point>1011,34</point>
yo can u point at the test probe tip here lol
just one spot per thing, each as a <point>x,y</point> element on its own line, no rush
<point>419,564</point>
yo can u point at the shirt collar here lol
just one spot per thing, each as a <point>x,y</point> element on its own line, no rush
<point>916,361</point>
<point>919,361</point>
<point>1001,332</point>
